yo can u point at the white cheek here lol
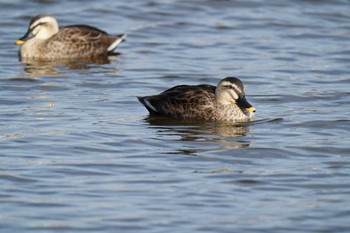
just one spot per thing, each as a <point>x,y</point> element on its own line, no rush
<point>234,95</point>
<point>36,30</point>
<point>228,97</point>
<point>42,33</point>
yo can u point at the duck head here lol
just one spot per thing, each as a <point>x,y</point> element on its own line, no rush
<point>230,90</point>
<point>41,27</point>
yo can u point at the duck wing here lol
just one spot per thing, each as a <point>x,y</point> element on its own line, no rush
<point>84,41</point>
<point>182,102</point>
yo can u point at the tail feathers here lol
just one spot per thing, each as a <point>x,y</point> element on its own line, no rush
<point>148,105</point>
<point>119,39</point>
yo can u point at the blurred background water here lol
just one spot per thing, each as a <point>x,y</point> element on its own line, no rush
<point>78,152</point>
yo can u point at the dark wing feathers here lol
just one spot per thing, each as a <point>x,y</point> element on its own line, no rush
<point>179,101</point>
<point>86,27</point>
<point>83,39</point>
<point>184,88</point>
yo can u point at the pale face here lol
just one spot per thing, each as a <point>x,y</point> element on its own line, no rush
<point>228,92</point>
<point>44,27</point>
<point>231,91</point>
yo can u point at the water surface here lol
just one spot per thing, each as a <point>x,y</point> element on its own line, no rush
<point>80,153</point>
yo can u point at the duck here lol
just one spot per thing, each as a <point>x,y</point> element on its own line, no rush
<point>45,39</point>
<point>225,102</point>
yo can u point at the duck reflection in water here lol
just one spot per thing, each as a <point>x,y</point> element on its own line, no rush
<point>35,67</point>
<point>216,136</point>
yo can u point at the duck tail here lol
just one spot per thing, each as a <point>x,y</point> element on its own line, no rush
<point>118,39</point>
<point>144,100</point>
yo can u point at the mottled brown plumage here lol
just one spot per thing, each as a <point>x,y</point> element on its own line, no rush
<point>45,40</point>
<point>226,102</point>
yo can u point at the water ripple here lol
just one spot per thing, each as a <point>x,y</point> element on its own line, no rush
<point>80,153</point>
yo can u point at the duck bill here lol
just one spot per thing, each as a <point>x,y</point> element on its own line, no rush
<point>24,38</point>
<point>244,104</point>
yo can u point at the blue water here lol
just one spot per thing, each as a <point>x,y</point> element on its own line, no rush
<point>78,152</point>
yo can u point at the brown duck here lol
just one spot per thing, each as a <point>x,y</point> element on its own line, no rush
<point>225,103</point>
<point>46,40</point>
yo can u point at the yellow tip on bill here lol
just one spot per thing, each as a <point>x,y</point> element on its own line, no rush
<point>251,109</point>
<point>19,41</point>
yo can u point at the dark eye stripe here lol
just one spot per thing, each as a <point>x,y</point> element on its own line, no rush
<point>233,87</point>
<point>39,24</point>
